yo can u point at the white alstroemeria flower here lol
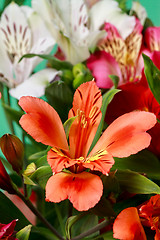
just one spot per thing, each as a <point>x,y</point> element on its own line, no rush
<point>76,28</point>
<point>35,85</point>
<point>140,11</point>
<point>22,31</point>
<point>109,11</point>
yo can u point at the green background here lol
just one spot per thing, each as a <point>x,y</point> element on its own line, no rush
<point>153,11</point>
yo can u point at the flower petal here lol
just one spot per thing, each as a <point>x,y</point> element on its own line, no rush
<point>140,11</point>
<point>100,161</point>
<point>86,104</point>
<point>152,36</point>
<point>58,161</point>
<point>42,122</point>
<point>6,230</point>
<point>5,181</point>
<point>102,64</point>
<point>35,85</point>
<point>127,225</point>
<point>127,134</point>
<point>84,190</point>
<point>110,12</point>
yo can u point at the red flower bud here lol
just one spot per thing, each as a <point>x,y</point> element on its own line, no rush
<point>13,150</point>
<point>5,181</point>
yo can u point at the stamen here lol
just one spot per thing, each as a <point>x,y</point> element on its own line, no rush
<point>93,111</point>
<point>96,156</point>
<point>81,118</point>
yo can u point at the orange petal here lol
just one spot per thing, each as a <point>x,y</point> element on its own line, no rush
<point>84,189</point>
<point>42,122</point>
<point>127,225</point>
<point>127,134</point>
<point>102,164</point>
<point>57,160</point>
<point>86,104</point>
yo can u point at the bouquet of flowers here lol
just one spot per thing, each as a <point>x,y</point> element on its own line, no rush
<point>80,90</point>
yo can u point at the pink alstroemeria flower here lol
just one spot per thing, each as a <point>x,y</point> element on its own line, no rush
<point>125,136</point>
<point>122,57</point>
<point>152,38</point>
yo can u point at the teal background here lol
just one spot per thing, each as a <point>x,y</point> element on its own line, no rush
<point>153,11</point>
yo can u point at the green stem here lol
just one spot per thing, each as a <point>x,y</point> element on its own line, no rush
<point>39,215</point>
<point>24,143</point>
<point>92,230</point>
<point>24,187</point>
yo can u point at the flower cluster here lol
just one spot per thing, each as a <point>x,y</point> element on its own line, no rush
<point>82,154</point>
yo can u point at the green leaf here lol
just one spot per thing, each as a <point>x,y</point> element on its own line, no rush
<point>42,233</point>
<point>60,97</point>
<point>9,212</point>
<point>82,223</point>
<point>134,182</point>
<point>103,208</point>
<point>107,98</point>
<point>153,76</point>
<point>147,23</point>
<point>70,222</point>
<point>54,62</point>
<point>38,155</point>
<point>115,80</point>
<point>24,233</point>
<point>106,236</point>
<point>12,113</point>
<point>42,161</point>
<point>142,162</point>
<point>41,175</point>
<point>67,125</point>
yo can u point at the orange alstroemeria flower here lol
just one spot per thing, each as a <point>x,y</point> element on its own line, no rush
<point>128,224</point>
<point>150,214</point>
<point>126,135</point>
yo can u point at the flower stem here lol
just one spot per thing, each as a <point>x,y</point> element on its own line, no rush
<point>92,230</point>
<point>39,215</point>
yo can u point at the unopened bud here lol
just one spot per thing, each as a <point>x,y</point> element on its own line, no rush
<point>5,181</point>
<point>13,150</point>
